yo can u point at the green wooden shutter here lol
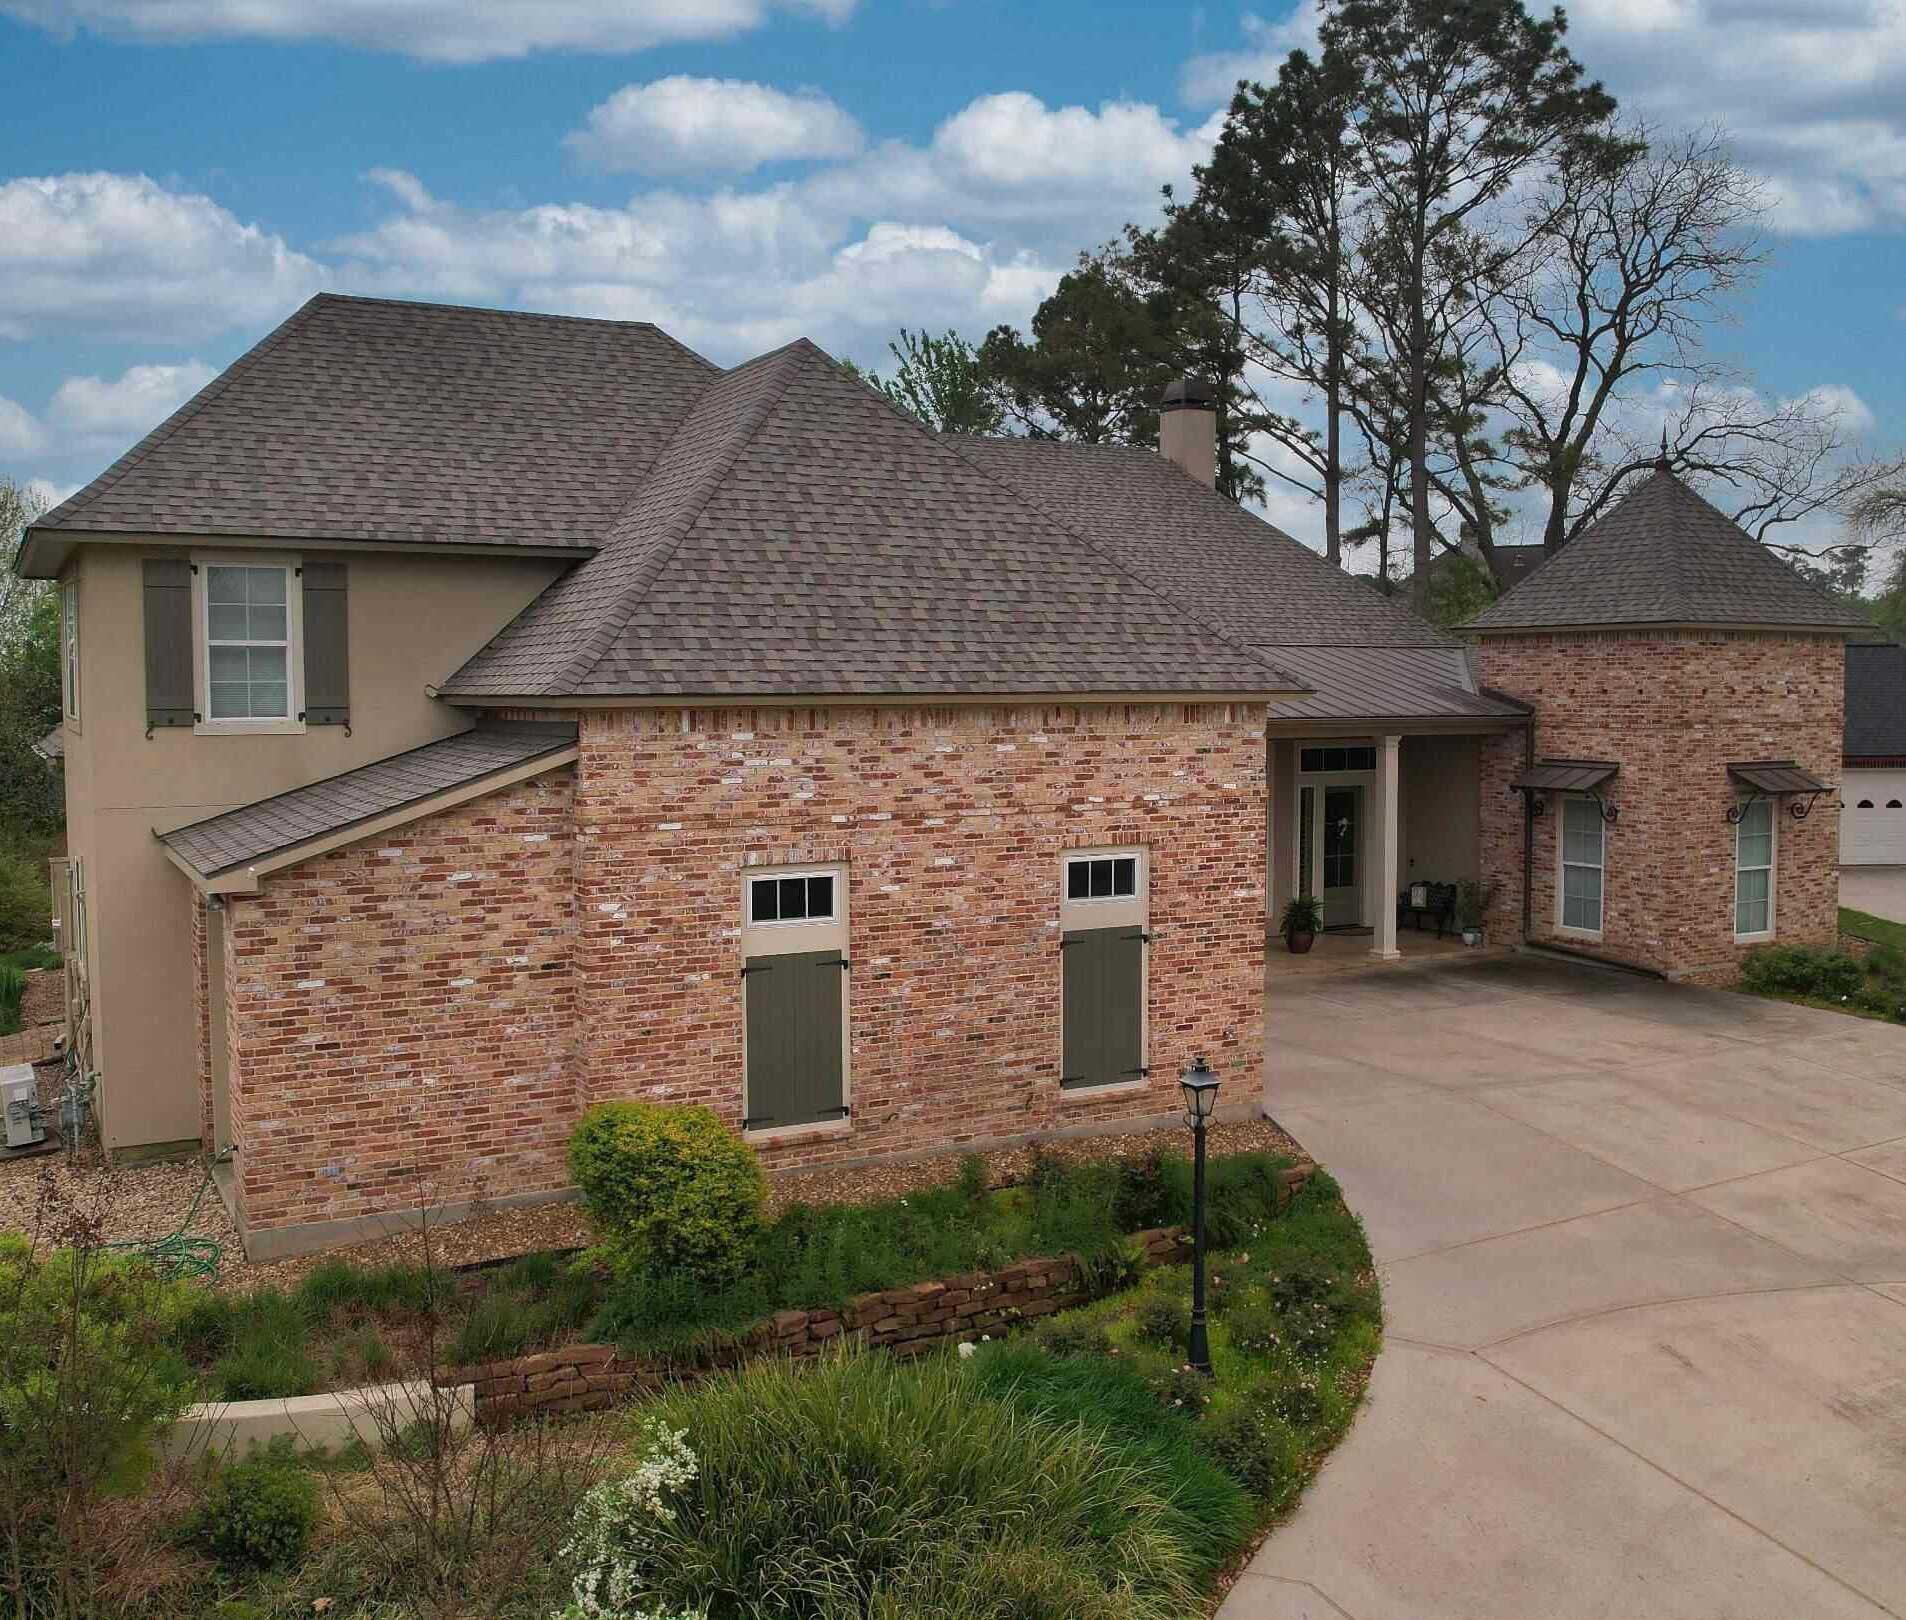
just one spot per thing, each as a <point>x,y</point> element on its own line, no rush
<point>1104,1006</point>
<point>327,645</point>
<point>168,596</point>
<point>795,1074</point>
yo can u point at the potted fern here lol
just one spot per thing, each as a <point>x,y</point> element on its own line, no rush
<point>1303,917</point>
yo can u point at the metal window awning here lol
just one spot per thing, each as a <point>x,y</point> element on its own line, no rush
<point>1565,776</point>
<point>1775,779</point>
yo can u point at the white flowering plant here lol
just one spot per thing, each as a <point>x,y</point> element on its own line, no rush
<point>614,1528</point>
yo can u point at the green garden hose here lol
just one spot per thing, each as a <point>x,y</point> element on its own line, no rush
<point>179,1253</point>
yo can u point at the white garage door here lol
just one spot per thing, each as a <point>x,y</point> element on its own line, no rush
<point>1873,818</point>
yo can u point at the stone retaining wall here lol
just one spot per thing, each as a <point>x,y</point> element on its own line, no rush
<point>907,1321</point>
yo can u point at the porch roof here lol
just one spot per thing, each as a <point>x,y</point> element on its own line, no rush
<point>1367,683</point>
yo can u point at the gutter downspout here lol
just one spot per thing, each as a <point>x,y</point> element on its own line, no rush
<point>1528,835</point>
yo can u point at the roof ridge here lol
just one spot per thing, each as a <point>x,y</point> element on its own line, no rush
<point>1067,527</point>
<point>80,499</point>
<point>688,510</point>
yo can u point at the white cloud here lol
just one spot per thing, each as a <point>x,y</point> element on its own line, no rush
<point>120,256</point>
<point>969,230</point>
<point>684,125</point>
<point>50,493</point>
<point>1811,92</point>
<point>436,30</point>
<point>20,430</point>
<point>139,399</point>
<point>91,417</point>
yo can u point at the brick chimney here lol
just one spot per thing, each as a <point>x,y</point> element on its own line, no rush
<point>1188,428</point>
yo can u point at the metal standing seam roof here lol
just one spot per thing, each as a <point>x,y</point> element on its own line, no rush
<point>1875,700</point>
<point>1566,775</point>
<point>1665,556</point>
<point>800,536</point>
<point>377,420</point>
<point>1400,683</point>
<point>253,832</point>
<point>1776,776</point>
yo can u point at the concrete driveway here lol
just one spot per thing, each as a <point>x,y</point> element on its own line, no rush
<point>1644,1266</point>
<point>1880,890</point>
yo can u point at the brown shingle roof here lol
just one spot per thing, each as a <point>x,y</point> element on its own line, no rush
<point>253,832</point>
<point>800,536</point>
<point>373,420</point>
<point>1245,575</point>
<point>1366,655</point>
<point>1665,556</point>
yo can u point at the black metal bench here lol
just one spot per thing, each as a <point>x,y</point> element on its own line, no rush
<point>1439,904</point>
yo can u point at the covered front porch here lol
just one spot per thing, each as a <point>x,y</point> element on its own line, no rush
<point>1382,829</point>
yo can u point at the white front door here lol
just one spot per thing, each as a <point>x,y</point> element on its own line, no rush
<point>1339,846</point>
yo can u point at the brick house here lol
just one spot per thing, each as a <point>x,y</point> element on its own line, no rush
<point>472,715</point>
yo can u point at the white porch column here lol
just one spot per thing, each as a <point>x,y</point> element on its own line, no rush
<point>1384,945</point>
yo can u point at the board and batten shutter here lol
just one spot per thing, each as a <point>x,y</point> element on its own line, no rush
<point>1104,1006</point>
<point>327,645</point>
<point>168,615</point>
<point>795,1073</point>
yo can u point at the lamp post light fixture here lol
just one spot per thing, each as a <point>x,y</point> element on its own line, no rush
<point>1200,1088</point>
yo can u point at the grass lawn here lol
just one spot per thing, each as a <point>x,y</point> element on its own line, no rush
<point>1864,925</point>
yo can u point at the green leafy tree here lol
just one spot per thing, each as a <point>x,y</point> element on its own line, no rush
<point>943,382</point>
<point>1460,101</point>
<point>1096,363</point>
<point>1265,243</point>
<point>30,795</point>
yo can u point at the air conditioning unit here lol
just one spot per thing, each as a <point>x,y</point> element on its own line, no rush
<point>20,1102</point>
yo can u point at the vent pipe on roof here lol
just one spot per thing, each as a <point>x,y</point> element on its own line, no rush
<point>1188,428</point>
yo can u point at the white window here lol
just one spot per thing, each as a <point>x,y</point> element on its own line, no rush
<point>1754,870</point>
<point>69,647</point>
<point>791,897</point>
<point>249,652</point>
<point>1101,877</point>
<point>1582,864</point>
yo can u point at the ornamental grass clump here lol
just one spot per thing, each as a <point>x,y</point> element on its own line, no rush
<point>866,1486</point>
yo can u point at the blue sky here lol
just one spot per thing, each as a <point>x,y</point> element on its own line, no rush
<point>175,177</point>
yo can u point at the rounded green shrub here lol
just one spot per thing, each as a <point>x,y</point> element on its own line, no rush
<point>1257,1450</point>
<point>1069,1335</point>
<point>260,1513</point>
<point>669,1188</point>
<point>1162,1320</point>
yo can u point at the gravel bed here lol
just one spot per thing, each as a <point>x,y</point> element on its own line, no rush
<point>151,1200</point>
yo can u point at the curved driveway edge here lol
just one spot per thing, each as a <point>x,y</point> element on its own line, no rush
<point>1643,1251</point>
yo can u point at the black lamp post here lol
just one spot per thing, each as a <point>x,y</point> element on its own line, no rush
<point>1200,1087</point>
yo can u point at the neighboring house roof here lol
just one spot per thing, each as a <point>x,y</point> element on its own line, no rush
<point>801,536</point>
<point>1514,564</point>
<point>372,420</point>
<point>1665,556</point>
<point>415,780</point>
<point>53,745</point>
<point>1875,700</point>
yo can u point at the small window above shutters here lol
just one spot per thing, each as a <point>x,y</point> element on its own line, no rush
<point>327,645</point>
<point>168,616</point>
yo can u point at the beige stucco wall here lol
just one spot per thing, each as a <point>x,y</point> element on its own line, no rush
<point>413,621</point>
<point>1441,809</point>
